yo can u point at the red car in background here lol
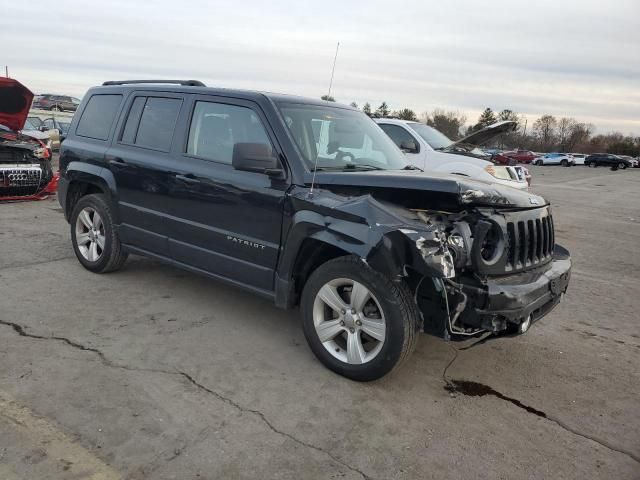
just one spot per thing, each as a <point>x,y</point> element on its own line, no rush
<point>26,172</point>
<point>512,157</point>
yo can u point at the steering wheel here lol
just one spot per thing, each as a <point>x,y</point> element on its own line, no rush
<point>341,155</point>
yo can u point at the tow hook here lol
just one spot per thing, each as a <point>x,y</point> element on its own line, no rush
<point>524,326</point>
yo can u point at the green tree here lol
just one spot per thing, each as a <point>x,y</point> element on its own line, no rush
<point>367,108</point>
<point>354,104</point>
<point>383,110</point>
<point>485,119</point>
<point>407,114</point>
<point>327,98</point>
<point>449,123</point>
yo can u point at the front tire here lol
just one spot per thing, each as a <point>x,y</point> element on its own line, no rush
<point>593,164</point>
<point>622,165</point>
<point>94,237</point>
<point>357,322</point>
<point>564,163</point>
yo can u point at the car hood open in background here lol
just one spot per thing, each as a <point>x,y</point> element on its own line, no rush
<point>484,135</point>
<point>15,102</point>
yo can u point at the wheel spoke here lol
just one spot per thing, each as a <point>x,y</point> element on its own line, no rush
<point>97,221</point>
<point>93,251</point>
<point>328,330</point>
<point>329,295</point>
<point>355,350</point>
<point>82,238</point>
<point>85,219</point>
<point>100,241</point>
<point>359,296</point>
<point>374,328</point>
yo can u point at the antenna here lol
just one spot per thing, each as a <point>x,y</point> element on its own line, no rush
<point>315,164</point>
<point>333,70</point>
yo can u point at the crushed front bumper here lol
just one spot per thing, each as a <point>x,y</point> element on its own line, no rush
<point>503,304</point>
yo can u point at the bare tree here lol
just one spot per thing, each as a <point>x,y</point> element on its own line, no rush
<point>544,129</point>
<point>367,108</point>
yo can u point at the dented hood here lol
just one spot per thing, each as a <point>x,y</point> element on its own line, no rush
<point>484,135</point>
<point>15,102</point>
<point>404,186</point>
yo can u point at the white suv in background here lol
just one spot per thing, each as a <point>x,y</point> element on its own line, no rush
<point>429,149</point>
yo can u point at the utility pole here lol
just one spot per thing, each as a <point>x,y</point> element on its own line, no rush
<point>6,71</point>
<point>333,69</point>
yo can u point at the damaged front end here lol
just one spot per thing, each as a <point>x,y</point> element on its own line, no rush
<point>479,258</point>
<point>25,169</point>
<point>25,162</point>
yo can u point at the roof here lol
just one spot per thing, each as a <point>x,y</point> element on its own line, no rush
<point>254,95</point>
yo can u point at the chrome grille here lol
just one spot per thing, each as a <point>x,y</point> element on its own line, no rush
<point>20,181</point>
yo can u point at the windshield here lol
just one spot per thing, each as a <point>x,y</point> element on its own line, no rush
<point>433,137</point>
<point>338,138</point>
<point>32,124</point>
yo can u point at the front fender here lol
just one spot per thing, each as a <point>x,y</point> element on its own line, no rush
<point>363,226</point>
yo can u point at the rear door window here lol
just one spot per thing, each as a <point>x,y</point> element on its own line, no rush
<point>98,116</point>
<point>151,122</point>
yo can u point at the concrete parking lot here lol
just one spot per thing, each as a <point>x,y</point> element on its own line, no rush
<point>152,372</point>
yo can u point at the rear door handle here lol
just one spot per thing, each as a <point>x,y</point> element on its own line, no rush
<point>189,178</point>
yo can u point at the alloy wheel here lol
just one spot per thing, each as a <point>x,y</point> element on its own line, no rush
<point>90,236</point>
<point>349,321</point>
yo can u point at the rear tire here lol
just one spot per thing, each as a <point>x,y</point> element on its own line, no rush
<point>389,314</point>
<point>94,237</point>
<point>564,163</point>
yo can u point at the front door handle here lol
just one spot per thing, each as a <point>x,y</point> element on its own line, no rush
<point>188,178</point>
<point>117,161</point>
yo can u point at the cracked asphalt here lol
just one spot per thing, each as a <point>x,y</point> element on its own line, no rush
<point>155,373</point>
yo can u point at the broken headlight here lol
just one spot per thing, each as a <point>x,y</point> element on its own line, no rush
<point>458,250</point>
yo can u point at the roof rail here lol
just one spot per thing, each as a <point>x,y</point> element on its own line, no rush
<point>186,83</point>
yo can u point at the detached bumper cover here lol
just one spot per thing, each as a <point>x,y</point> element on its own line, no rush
<point>534,293</point>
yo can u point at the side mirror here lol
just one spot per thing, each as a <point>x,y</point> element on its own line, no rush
<point>409,146</point>
<point>62,137</point>
<point>256,157</point>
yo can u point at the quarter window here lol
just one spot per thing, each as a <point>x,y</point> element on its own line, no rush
<point>217,127</point>
<point>98,116</point>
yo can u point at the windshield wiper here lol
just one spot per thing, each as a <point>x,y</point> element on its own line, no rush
<point>358,166</point>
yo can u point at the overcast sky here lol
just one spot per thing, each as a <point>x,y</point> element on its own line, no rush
<point>577,58</point>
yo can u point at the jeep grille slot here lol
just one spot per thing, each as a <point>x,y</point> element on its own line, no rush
<point>530,243</point>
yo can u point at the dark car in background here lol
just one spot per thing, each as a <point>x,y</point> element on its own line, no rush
<point>58,103</point>
<point>512,157</point>
<point>607,160</point>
